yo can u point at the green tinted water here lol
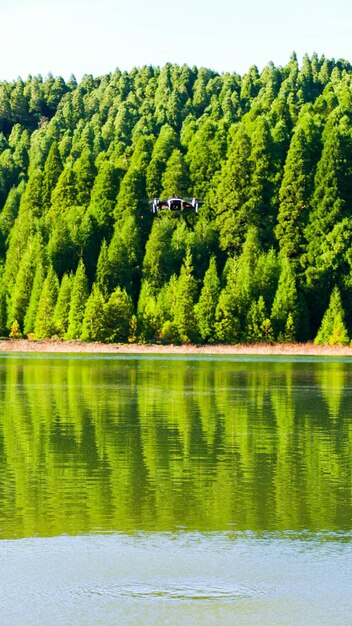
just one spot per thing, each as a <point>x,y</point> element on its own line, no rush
<point>171,490</point>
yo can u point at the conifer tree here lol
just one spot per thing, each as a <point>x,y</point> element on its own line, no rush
<point>158,259</point>
<point>166,142</point>
<point>118,313</point>
<point>184,315</point>
<point>285,304</point>
<point>149,314</point>
<point>31,313</point>
<point>205,309</point>
<point>333,330</point>
<point>3,310</point>
<point>64,194</point>
<point>232,193</point>
<point>19,297</point>
<point>227,323</point>
<point>78,301</point>
<point>297,188</point>
<point>94,324</point>
<point>85,172</point>
<point>103,196</point>
<point>258,327</point>
<point>261,209</point>
<point>44,321</point>
<point>62,308</point>
<point>175,179</point>
<point>333,188</point>
<point>51,174</point>
<point>205,154</point>
<point>8,214</point>
<point>103,271</point>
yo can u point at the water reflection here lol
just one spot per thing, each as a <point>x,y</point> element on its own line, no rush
<point>124,444</point>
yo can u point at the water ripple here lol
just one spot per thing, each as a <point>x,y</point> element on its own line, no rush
<point>177,590</point>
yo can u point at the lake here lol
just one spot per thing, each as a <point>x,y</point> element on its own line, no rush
<point>175,490</point>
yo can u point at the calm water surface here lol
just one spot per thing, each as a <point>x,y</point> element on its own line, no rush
<point>165,490</point>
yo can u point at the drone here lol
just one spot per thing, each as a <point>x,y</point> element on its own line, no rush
<point>175,204</point>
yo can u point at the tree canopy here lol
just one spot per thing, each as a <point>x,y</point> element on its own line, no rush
<point>268,257</point>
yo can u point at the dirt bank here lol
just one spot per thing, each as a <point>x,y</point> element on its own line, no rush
<point>303,349</point>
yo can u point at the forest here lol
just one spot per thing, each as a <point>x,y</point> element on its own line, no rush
<point>267,258</point>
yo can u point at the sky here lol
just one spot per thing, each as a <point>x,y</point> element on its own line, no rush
<point>80,37</point>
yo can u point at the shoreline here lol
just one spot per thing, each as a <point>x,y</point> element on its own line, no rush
<point>68,347</point>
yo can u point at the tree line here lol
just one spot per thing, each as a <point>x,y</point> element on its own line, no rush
<point>267,258</point>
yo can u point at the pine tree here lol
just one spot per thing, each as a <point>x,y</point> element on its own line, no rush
<point>103,196</point>
<point>175,179</point>
<point>44,322</point>
<point>79,298</point>
<point>261,209</point>
<point>158,259</point>
<point>103,271</point>
<point>166,142</point>
<point>333,188</point>
<point>62,308</point>
<point>227,323</point>
<point>258,327</point>
<point>205,154</point>
<point>52,171</point>
<point>31,313</point>
<point>94,324</point>
<point>205,309</point>
<point>232,193</point>
<point>184,315</point>
<point>333,330</point>
<point>285,304</point>
<point>118,313</point>
<point>20,295</point>
<point>297,188</point>
<point>149,314</point>
<point>85,173</point>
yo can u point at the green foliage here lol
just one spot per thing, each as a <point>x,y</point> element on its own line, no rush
<point>118,316</point>
<point>259,329</point>
<point>232,193</point>
<point>149,314</point>
<point>62,308</point>
<point>94,326</point>
<point>183,312</point>
<point>79,296</point>
<point>31,313</point>
<point>44,321</point>
<point>333,330</point>
<point>205,309</point>
<point>284,312</point>
<point>15,331</point>
<point>268,153</point>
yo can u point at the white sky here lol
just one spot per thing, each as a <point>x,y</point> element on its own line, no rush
<point>96,36</point>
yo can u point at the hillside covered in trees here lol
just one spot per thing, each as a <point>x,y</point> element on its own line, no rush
<point>267,258</point>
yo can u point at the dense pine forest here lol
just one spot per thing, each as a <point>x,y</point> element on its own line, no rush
<point>268,257</point>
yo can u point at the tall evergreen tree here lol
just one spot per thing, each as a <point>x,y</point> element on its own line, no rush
<point>333,330</point>
<point>205,309</point>
<point>333,189</point>
<point>44,321</point>
<point>78,301</point>
<point>184,315</point>
<point>119,312</point>
<point>297,188</point>
<point>62,308</point>
<point>94,324</point>
<point>31,312</point>
<point>232,194</point>
<point>285,309</point>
